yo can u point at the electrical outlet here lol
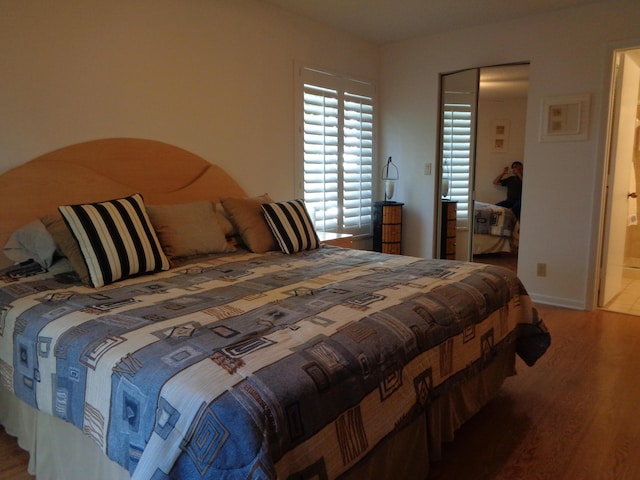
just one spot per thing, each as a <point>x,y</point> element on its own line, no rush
<point>427,168</point>
<point>541,270</point>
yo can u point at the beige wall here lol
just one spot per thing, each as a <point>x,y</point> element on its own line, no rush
<point>570,53</point>
<point>216,77</point>
<point>212,76</point>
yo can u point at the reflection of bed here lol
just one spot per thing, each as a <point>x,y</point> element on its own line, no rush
<point>237,364</point>
<point>495,229</point>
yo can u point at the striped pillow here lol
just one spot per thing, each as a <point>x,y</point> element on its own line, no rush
<point>291,225</point>
<point>116,239</point>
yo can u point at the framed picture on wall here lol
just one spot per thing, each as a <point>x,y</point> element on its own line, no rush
<point>565,118</point>
<point>500,136</point>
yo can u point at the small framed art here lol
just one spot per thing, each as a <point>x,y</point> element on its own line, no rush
<point>500,136</point>
<point>565,118</point>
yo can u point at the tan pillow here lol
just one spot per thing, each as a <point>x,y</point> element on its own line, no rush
<point>67,244</point>
<point>188,229</point>
<point>224,222</point>
<point>247,217</point>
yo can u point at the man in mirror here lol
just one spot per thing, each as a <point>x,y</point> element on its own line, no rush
<point>512,179</point>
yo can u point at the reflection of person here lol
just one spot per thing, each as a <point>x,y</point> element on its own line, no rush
<point>514,187</point>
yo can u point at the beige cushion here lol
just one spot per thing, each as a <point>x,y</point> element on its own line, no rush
<point>67,245</point>
<point>224,222</point>
<point>188,229</point>
<point>247,218</point>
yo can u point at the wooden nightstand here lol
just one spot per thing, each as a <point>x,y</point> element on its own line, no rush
<point>343,240</point>
<point>448,230</point>
<point>387,227</point>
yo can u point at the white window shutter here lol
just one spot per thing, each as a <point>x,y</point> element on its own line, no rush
<point>357,163</point>
<point>456,155</point>
<point>321,156</point>
<point>338,149</point>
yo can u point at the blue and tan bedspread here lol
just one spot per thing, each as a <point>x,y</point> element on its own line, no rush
<point>493,220</point>
<point>255,366</point>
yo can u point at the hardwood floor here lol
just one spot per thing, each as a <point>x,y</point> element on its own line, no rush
<point>13,460</point>
<point>571,416</point>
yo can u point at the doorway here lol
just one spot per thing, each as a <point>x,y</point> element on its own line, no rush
<point>620,273</point>
<point>482,125</point>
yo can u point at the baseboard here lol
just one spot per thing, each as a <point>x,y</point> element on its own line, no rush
<point>632,273</point>
<point>557,301</point>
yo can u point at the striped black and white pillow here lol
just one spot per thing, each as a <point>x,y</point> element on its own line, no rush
<point>291,225</point>
<point>116,239</point>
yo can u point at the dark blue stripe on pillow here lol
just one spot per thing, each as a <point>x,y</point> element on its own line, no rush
<point>96,243</point>
<point>158,254</point>
<point>129,245</point>
<point>116,236</point>
<point>135,237</point>
<point>291,225</point>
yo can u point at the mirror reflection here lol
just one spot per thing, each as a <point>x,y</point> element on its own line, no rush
<point>482,164</point>
<point>458,107</point>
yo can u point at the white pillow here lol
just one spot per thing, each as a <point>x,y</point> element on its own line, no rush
<point>32,241</point>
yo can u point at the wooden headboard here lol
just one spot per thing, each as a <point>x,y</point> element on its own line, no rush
<point>105,169</point>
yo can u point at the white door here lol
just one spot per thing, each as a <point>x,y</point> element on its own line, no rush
<point>627,80</point>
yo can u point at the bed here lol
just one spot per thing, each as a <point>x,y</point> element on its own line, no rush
<point>495,229</point>
<point>267,356</point>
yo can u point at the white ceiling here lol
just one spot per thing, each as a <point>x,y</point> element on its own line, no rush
<point>385,21</point>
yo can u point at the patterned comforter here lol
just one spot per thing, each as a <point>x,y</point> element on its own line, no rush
<point>493,220</point>
<point>256,365</point>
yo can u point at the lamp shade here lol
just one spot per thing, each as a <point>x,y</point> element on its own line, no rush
<point>389,175</point>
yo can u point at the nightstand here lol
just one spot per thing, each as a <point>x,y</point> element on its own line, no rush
<point>387,227</point>
<point>448,230</point>
<point>336,239</point>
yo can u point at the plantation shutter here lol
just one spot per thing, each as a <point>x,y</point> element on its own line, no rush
<point>337,153</point>
<point>321,156</point>
<point>456,155</point>
<point>357,163</point>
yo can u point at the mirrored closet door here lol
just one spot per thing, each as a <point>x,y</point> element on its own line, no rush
<point>482,125</point>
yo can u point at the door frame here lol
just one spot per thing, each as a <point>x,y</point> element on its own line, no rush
<point>624,98</point>
<point>599,219</point>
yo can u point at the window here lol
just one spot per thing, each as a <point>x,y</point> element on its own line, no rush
<point>456,156</point>
<point>335,166</point>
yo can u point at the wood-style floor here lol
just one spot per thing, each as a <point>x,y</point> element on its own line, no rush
<point>571,416</point>
<point>13,460</point>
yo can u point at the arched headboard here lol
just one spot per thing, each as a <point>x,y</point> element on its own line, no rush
<point>104,169</point>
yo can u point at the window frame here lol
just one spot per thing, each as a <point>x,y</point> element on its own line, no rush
<point>341,83</point>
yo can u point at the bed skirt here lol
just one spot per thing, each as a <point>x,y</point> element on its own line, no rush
<point>59,451</point>
<point>483,244</point>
